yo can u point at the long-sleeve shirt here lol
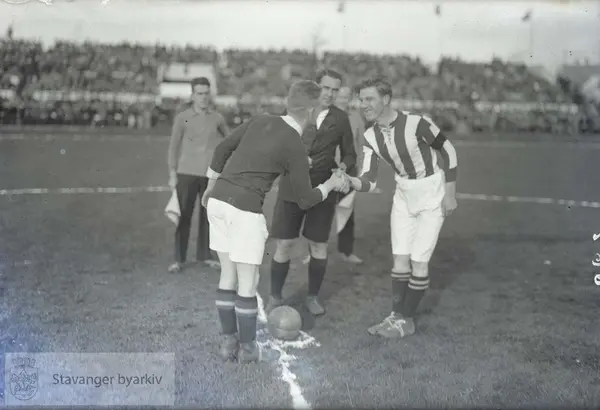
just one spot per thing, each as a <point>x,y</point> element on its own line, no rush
<point>193,140</point>
<point>408,147</point>
<point>249,160</point>
<point>321,141</point>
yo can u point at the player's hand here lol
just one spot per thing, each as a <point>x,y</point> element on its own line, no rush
<point>208,191</point>
<point>345,188</point>
<point>172,180</point>
<point>336,181</point>
<point>345,184</point>
<point>449,204</point>
<point>205,197</point>
<point>355,183</point>
<point>342,167</point>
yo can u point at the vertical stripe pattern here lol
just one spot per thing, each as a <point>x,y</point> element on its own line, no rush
<point>408,147</point>
<point>370,168</point>
<point>384,153</point>
<point>404,127</point>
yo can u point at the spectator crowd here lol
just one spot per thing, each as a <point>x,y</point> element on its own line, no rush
<point>481,96</point>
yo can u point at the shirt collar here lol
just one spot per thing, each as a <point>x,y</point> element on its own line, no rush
<point>292,123</point>
<point>392,124</point>
<point>323,113</point>
<point>203,112</point>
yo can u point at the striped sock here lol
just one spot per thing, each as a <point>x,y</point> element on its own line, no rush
<point>246,310</point>
<point>399,286</point>
<point>414,293</point>
<point>226,308</point>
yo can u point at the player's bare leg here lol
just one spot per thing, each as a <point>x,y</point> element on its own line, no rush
<point>246,309</point>
<point>400,276</point>
<point>280,266</point>
<point>226,297</point>
<point>306,259</point>
<point>316,273</point>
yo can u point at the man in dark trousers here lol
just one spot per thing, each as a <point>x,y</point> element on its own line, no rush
<point>197,131</point>
<point>346,235</point>
<point>321,138</point>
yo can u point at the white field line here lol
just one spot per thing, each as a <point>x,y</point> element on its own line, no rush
<point>49,137</point>
<point>285,359</point>
<point>129,190</point>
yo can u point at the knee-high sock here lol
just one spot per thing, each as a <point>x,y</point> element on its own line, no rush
<point>279,272</point>
<point>246,310</point>
<point>316,274</point>
<point>226,308</point>
<point>414,294</point>
<point>399,286</point>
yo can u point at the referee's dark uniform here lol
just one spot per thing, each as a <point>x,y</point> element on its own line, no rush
<point>321,143</point>
<point>195,136</point>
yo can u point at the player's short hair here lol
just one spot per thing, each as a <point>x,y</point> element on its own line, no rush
<point>303,95</point>
<point>383,87</point>
<point>200,81</point>
<point>328,72</point>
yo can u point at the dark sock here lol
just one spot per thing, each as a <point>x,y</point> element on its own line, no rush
<point>399,286</point>
<point>226,308</point>
<point>414,293</point>
<point>279,272</point>
<point>246,310</point>
<point>316,273</point>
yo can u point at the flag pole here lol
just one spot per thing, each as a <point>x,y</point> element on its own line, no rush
<point>531,39</point>
<point>438,13</point>
<point>342,12</point>
<point>441,36</point>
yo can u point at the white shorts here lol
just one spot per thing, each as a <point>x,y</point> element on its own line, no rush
<point>241,234</point>
<point>417,217</point>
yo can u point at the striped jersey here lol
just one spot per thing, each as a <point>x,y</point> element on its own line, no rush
<point>408,146</point>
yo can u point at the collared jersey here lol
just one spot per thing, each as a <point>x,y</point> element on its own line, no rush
<point>321,138</point>
<point>194,139</point>
<point>249,160</point>
<point>408,146</point>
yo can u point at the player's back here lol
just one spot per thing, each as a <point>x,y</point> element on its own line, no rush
<point>258,160</point>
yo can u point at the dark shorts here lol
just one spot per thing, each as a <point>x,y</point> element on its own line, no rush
<point>288,218</point>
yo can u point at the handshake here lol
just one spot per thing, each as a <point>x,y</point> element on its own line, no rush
<point>342,182</point>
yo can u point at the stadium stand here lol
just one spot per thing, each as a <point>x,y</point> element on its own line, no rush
<point>96,84</point>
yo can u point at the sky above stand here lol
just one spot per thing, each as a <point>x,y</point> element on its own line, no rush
<point>472,30</point>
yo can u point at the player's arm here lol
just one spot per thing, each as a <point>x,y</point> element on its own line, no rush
<point>436,139</point>
<point>296,165</point>
<point>223,152</point>
<point>367,180</point>
<point>222,126</point>
<point>175,145</point>
<point>347,148</point>
<point>431,133</point>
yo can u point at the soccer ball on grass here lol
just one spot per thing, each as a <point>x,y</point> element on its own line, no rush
<point>284,322</point>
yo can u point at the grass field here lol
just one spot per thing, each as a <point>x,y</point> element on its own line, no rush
<point>511,319</point>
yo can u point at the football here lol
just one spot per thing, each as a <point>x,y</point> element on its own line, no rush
<point>284,322</point>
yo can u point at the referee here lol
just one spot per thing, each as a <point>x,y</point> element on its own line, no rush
<point>197,131</point>
<point>330,129</point>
